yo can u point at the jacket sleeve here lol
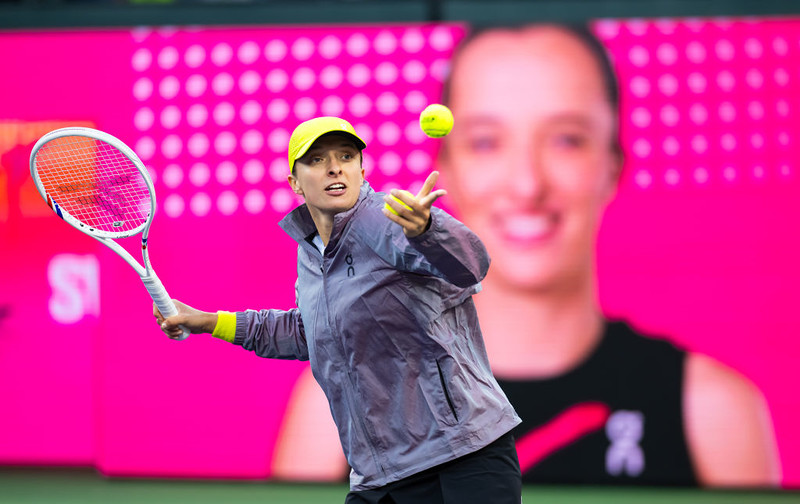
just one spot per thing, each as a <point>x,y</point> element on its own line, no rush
<point>275,334</point>
<point>448,249</point>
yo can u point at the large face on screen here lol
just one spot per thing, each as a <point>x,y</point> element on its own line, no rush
<point>530,164</point>
<point>329,175</point>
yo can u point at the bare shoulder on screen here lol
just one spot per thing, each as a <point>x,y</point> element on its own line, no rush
<point>728,426</point>
<point>308,447</point>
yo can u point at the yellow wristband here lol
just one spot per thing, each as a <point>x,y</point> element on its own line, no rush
<point>226,326</point>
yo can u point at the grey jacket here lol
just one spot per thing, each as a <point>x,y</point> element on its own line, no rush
<point>392,334</point>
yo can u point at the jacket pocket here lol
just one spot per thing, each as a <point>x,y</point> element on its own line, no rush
<point>446,392</point>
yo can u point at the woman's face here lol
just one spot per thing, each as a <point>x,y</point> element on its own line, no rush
<point>530,164</point>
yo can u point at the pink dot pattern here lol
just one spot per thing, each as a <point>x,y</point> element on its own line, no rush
<point>215,108</point>
<point>706,102</point>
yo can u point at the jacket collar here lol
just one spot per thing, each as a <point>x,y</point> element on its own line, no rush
<point>300,226</point>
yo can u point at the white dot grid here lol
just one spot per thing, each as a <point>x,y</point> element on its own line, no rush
<point>141,59</point>
<point>725,50</point>
<point>440,69</point>
<point>701,175</point>
<point>254,201</point>
<point>277,110</point>
<point>303,79</point>
<point>222,84</point>
<point>413,133</point>
<point>641,148</point>
<point>669,115</point>
<point>197,115</point>
<point>666,26</point>
<point>305,108</point>
<point>253,171</point>
<point>668,84</point>
<point>357,45</point>
<point>223,114</point>
<point>142,89</point>
<point>275,50</point>
<point>198,145</point>
<point>607,29</point>
<point>196,85</point>
<point>278,169</point>
<point>225,143</point>
<point>143,119</point>
<point>332,106</point>
<point>365,131</point>
<point>170,117</point>
<point>172,176</point>
<point>145,148</point>
<point>639,56</point>
<point>385,43</point>
<point>714,99</point>
<point>637,26</point>
<point>174,205</point>
<point>728,142</point>
<point>141,33</point>
<point>389,133</point>
<point>194,56</point>
<point>227,203</point>
<point>249,82</point>
<point>358,75</point>
<point>248,52</point>
<point>781,76</point>
<point>368,163</point>
<point>276,80</point>
<point>168,58</point>
<point>199,174</point>
<point>386,73</point>
<point>330,47</point>
<point>641,117</point>
<point>302,49</point>
<point>200,204</point>
<point>221,54</point>
<point>359,105</point>
<point>419,161</point>
<point>643,178</point>
<point>698,114</point>
<point>252,141</point>
<point>217,134</point>
<point>250,112</point>
<point>169,87</point>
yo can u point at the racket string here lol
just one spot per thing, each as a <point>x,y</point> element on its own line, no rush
<point>95,183</point>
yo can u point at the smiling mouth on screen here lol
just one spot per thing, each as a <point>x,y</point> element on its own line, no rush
<point>527,229</point>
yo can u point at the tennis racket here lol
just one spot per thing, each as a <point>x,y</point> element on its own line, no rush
<point>98,185</point>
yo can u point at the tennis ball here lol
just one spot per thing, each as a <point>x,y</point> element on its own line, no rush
<point>436,120</point>
<point>389,207</point>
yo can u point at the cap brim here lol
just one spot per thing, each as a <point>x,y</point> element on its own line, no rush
<point>304,148</point>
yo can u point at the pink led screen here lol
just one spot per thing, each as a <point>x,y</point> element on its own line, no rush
<point>699,245</point>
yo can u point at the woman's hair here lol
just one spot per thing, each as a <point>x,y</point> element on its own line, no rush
<point>582,33</point>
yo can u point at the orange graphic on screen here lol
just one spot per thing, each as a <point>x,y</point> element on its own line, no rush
<point>19,195</point>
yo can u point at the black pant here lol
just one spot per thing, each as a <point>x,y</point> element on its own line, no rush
<point>490,475</point>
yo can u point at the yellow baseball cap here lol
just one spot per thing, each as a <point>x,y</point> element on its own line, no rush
<point>304,136</point>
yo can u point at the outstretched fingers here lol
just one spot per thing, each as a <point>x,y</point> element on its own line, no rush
<point>428,200</point>
<point>427,187</point>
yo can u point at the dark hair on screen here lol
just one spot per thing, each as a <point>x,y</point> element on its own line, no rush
<point>581,32</point>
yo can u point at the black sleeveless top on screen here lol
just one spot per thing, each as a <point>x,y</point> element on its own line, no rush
<point>615,419</point>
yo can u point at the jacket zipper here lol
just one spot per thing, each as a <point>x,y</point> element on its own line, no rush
<point>349,389</point>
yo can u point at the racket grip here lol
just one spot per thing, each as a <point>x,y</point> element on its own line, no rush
<point>162,300</point>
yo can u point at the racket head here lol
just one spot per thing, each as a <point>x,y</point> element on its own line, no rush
<point>93,181</point>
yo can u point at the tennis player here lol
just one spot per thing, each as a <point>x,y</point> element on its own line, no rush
<point>386,318</point>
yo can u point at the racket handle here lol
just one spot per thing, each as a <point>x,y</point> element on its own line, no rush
<point>162,300</point>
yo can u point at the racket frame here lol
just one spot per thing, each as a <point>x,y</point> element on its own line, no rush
<point>145,272</point>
